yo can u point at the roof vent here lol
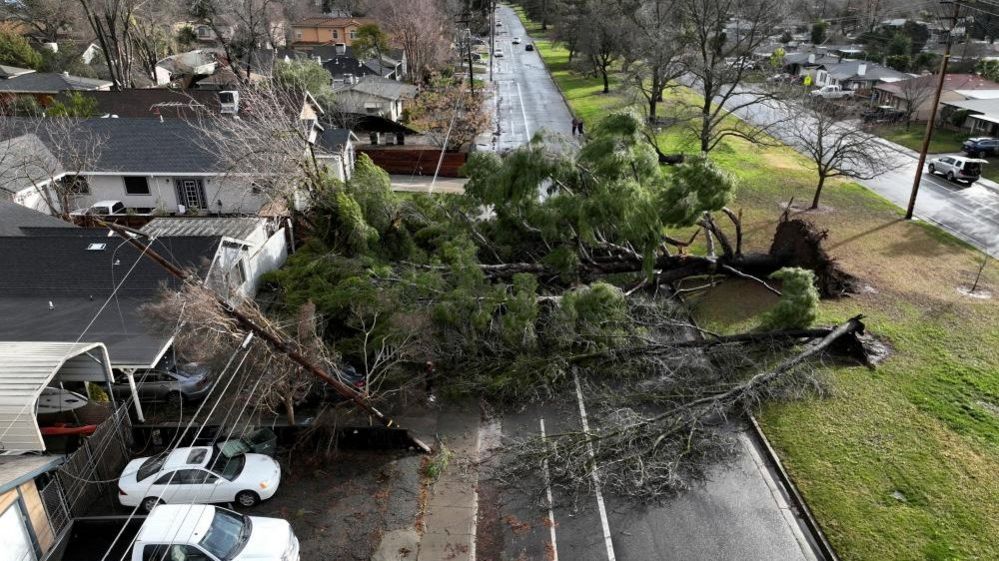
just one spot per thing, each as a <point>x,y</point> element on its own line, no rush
<point>96,247</point>
<point>229,102</point>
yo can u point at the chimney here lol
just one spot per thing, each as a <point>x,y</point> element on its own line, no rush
<point>862,70</point>
<point>811,58</point>
<point>340,48</point>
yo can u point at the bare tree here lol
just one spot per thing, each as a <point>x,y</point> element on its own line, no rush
<point>721,37</point>
<point>113,22</point>
<point>46,18</point>
<point>914,93</point>
<point>655,43</point>
<point>815,127</point>
<point>449,114</point>
<point>420,28</point>
<point>601,40</point>
<point>242,27</point>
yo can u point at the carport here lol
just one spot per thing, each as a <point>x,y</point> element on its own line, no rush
<point>26,368</point>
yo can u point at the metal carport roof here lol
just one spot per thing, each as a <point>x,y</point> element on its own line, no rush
<point>26,368</point>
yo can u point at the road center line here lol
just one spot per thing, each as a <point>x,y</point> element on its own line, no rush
<point>523,112</point>
<point>605,525</point>
<point>548,494</point>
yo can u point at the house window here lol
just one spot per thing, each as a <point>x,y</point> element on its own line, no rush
<point>298,34</point>
<point>239,273</point>
<point>136,185</point>
<point>191,194</point>
<point>203,32</point>
<point>335,34</point>
<point>353,34</point>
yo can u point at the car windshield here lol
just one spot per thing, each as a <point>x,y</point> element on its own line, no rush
<point>229,468</point>
<point>227,535</point>
<point>151,466</point>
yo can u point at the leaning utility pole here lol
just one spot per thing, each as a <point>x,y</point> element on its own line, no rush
<point>492,37</point>
<point>933,115</point>
<point>276,341</point>
<point>471,73</point>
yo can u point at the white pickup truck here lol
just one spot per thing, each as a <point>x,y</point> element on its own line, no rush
<point>183,532</point>
<point>832,92</point>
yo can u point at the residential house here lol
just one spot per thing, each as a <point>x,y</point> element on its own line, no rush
<point>983,115</point>
<point>43,86</point>
<point>249,247</point>
<point>341,61</point>
<point>186,67</point>
<point>323,30</point>
<point>374,95</point>
<point>153,102</point>
<point>857,75</point>
<point>957,87</point>
<point>203,32</point>
<point>25,524</point>
<point>335,150</point>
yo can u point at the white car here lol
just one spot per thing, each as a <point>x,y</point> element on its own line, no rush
<point>516,40</point>
<point>199,474</point>
<point>498,53</point>
<point>958,168</point>
<point>208,533</point>
<point>102,208</point>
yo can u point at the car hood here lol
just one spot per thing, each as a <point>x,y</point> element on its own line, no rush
<point>259,467</point>
<point>128,475</point>
<point>193,370</point>
<point>270,539</point>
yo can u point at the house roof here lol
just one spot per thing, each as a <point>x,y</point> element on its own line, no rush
<point>14,219</point>
<point>334,140</point>
<point>17,470</point>
<point>342,65</point>
<point>986,106</point>
<point>26,368</point>
<point>49,82</point>
<point>12,71</point>
<point>152,102</point>
<point>239,228</point>
<point>952,82</point>
<point>26,162</point>
<point>382,87</point>
<point>325,21</point>
<point>60,286</point>
<point>850,70</point>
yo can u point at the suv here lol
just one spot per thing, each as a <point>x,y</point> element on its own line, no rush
<point>981,146</point>
<point>957,168</point>
<point>185,382</point>
<point>102,208</point>
<point>883,114</point>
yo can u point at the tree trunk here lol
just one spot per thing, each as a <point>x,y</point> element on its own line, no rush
<point>818,191</point>
<point>653,105</point>
<point>603,72</point>
<point>289,409</point>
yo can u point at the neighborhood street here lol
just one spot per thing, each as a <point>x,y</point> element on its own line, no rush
<point>741,512</point>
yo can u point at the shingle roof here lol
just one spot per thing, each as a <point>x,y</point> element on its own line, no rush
<point>50,82</point>
<point>383,87</point>
<point>152,102</point>
<point>234,227</point>
<point>342,65</point>
<point>77,281</point>
<point>26,162</point>
<point>324,21</point>
<point>850,70</point>
<point>15,219</point>
<point>11,71</point>
<point>333,140</point>
<point>952,82</point>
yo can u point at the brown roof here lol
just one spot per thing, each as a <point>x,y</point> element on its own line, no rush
<point>153,102</point>
<point>321,21</point>
<point>951,82</point>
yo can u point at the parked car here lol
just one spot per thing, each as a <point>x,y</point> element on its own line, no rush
<point>185,382</point>
<point>516,40</point>
<point>982,146</point>
<point>199,474</point>
<point>210,533</point>
<point>498,53</point>
<point>832,92</point>
<point>529,47</point>
<point>883,114</point>
<point>957,168</point>
<point>102,208</point>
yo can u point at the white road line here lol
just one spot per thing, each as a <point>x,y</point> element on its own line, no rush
<point>551,503</point>
<point>523,112</point>
<point>605,525</point>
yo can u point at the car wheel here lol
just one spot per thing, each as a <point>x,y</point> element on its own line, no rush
<point>932,169</point>
<point>247,498</point>
<point>175,398</point>
<point>149,503</point>
<point>950,176</point>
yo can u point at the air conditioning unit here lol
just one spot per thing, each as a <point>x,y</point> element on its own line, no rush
<point>229,102</point>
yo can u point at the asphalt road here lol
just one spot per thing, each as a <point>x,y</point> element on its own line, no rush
<point>969,212</point>
<point>741,513</point>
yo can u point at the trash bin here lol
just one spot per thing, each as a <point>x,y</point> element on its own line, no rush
<point>263,441</point>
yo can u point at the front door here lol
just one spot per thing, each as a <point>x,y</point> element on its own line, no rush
<point>191,194</point>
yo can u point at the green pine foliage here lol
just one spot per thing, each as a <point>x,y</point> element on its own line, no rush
<point>799,301</point>
<point>15,51</point>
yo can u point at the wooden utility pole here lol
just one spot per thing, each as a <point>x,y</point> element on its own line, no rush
<point>933,115</point>
<point>471,74</point>
<point>492,37</point>
<point>276,341</point>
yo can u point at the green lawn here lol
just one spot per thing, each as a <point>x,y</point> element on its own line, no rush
<point>944,140</point>
<point>898,463</point>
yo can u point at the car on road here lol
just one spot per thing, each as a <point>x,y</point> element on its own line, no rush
<point>209,533</point>
<point>516,40</point>
<point>882,114</point>
<point>175,384</point>
<point>831,92</point>
<point>529,47</point>
<point>102,208</point>
<point>198,474</point>
<point>981,146</point>
<point>957,168</point>
<point>498,53</point>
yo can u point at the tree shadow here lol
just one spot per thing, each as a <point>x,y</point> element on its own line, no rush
<point>855,237</point>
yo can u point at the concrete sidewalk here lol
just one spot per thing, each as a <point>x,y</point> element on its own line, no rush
<point>452,505</point>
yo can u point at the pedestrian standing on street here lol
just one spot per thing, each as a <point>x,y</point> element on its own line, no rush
<point>575,125</point>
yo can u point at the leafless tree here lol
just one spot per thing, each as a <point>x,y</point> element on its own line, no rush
<point>601,40</point>
<point>815,127</point>
<point>46,159</point>
<point>46,18</point>
<point>721,37</point>
<point>914,93</point>
<point>113,23</point>
<point>420,28</point>
<point>655,41</point>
